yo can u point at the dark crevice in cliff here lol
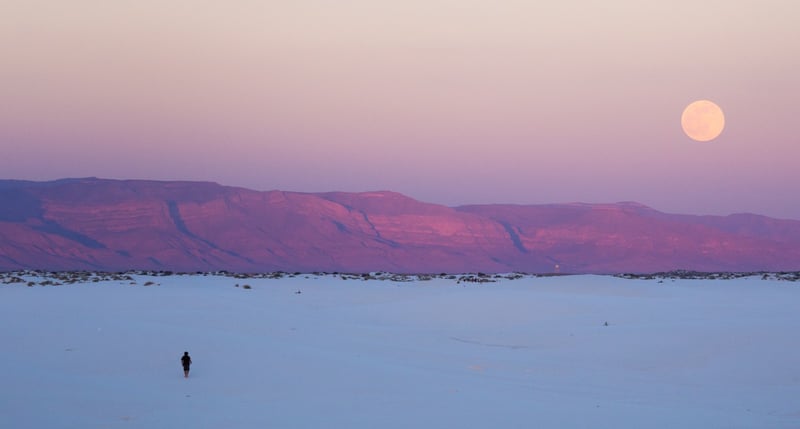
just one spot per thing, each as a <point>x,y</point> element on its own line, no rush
<point>378,237</point>
<point>514,237</point>
<point>341,227</point>
<point>11,260</point>
<point>52,227</point>
<point>175,215</point>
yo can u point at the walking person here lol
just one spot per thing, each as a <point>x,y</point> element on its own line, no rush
<point>186,361</point>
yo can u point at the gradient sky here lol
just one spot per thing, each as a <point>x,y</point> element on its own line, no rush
<point>447,101</point>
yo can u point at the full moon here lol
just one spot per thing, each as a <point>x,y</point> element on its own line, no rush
<point>702,120</point>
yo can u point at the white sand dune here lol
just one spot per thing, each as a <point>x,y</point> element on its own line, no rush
<point>527,353</point>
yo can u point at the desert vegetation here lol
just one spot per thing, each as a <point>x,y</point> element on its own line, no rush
<point>792,276</point>
<point>60,278</point>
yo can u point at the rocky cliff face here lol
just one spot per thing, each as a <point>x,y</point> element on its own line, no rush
<point>99,224</point>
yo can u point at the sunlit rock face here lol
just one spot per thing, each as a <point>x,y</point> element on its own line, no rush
<point>196,226</point>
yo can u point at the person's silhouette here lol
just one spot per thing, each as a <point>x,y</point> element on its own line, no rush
<point>186,361</point>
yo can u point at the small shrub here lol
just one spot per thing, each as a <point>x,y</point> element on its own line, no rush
<point>246,287</point>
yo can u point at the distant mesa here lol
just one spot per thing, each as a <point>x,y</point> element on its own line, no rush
<point>119,225</point>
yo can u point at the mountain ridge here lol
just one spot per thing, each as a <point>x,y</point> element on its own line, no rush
<point>91,223</point>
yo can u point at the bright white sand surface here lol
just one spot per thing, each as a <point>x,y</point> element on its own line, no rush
<point>526,353</point>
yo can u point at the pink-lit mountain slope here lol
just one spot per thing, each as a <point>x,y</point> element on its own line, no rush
<point>114,225</point>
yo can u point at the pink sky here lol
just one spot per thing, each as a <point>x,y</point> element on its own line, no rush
<point>447,101</point>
